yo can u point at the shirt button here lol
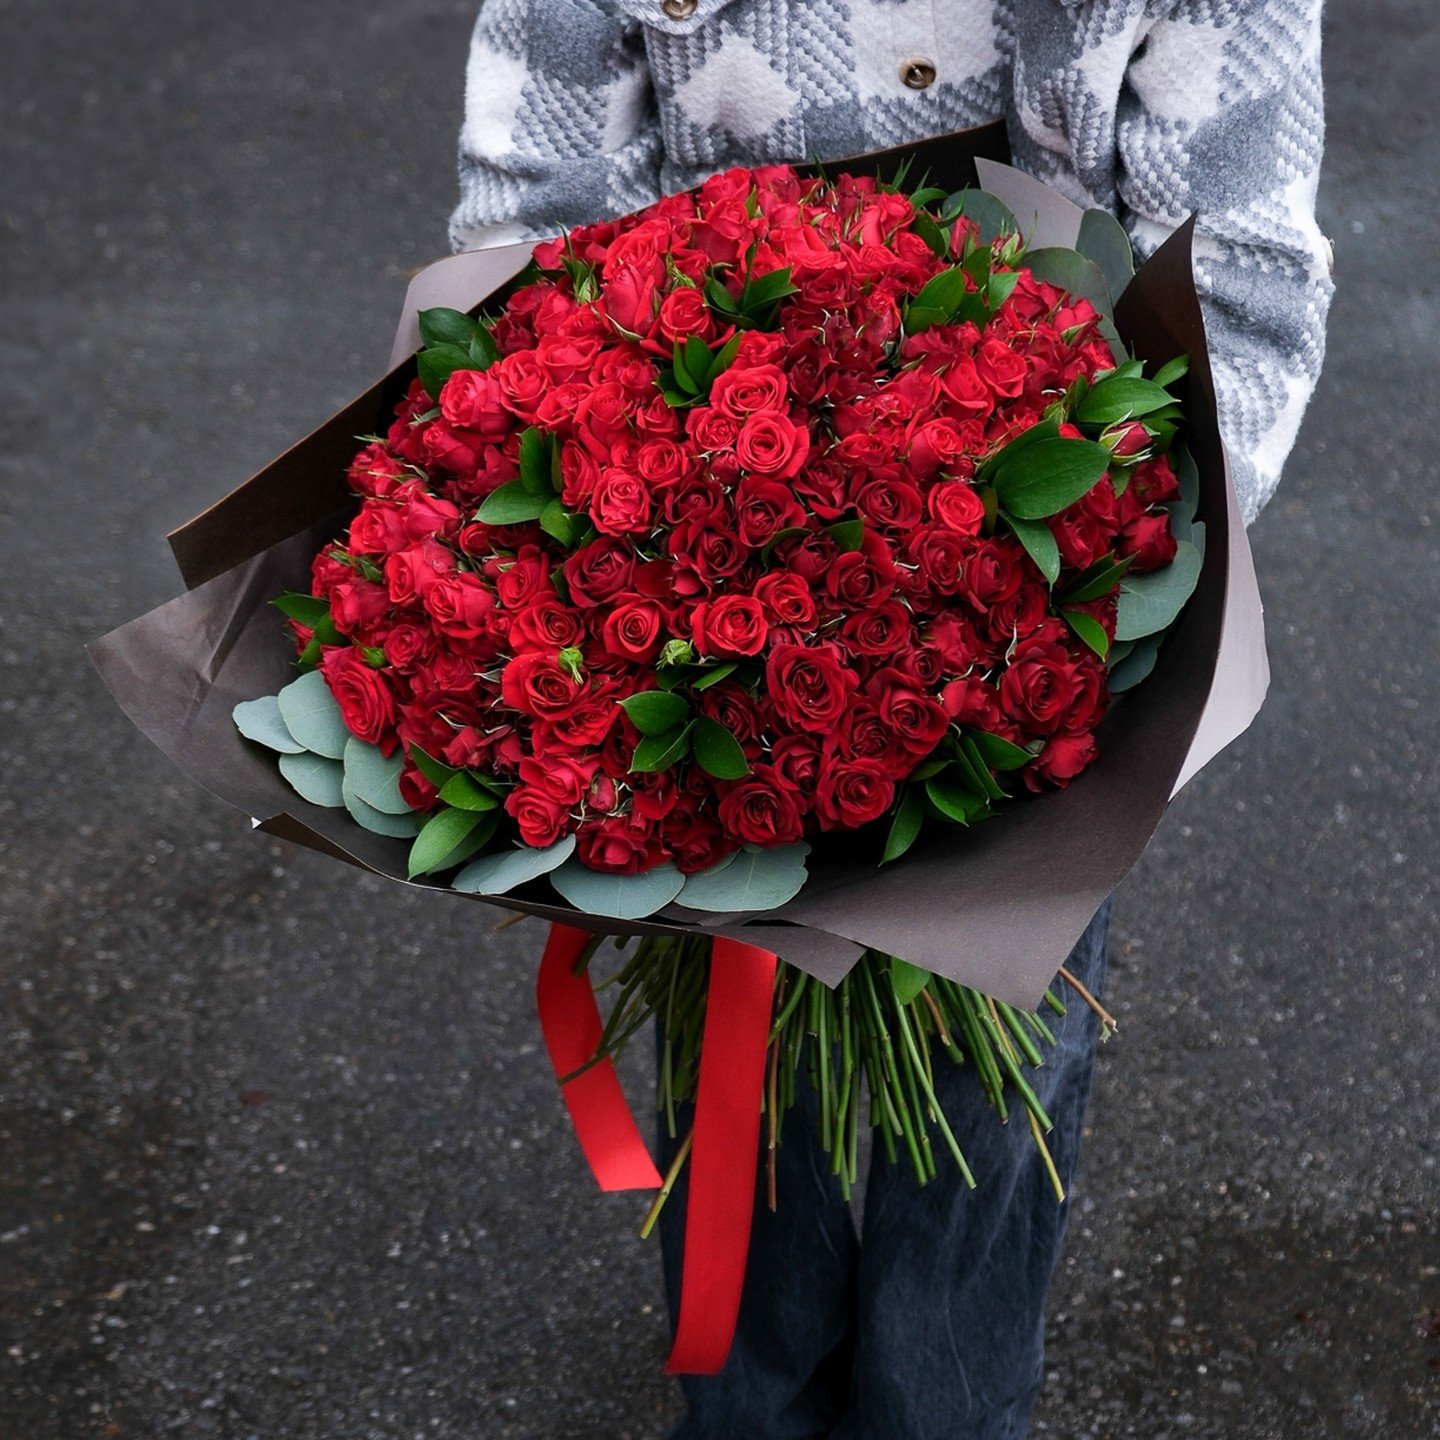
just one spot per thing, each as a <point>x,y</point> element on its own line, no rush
<point>918,74</point>
<point>679,9</point>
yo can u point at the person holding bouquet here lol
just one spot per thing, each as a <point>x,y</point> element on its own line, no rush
<point>930,1323</point>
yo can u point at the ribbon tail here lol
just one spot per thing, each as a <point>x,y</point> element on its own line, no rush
<point>725,1154</point>
<point>570,1020</point>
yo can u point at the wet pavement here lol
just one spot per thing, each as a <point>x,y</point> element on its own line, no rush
<point>279,1155</point>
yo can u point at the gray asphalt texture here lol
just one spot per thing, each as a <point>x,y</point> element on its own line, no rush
<point>279,1153</point>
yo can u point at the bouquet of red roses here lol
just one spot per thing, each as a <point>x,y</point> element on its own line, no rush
<point>777,529</point>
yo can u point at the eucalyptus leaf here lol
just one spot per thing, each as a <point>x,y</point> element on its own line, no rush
<point>259,720</point>
<point>402,827</point>
<point>1103,239</point>
<point>1136,664</point>
<point>756,879</point>
<point>1152,602</point>
<point>499,874</point>
<point>617,897</point>
<point>314,778</point>
<point>374,777</point>
<point>312,716</point>
<point>1071,271</point>
<point>992,216</point>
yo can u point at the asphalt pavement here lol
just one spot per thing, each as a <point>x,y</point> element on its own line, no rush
<point>279,1153</point>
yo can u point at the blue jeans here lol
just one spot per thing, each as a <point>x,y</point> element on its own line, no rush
<point>929,1325</point>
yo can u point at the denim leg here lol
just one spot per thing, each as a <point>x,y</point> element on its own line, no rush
<point>953,1281</point>
<point>788,1374</point>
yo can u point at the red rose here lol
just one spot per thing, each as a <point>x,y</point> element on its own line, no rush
<point>1039,687</point>
<point>544,624</point>
<point>619,845</point>
<point>748,390</point>
<point>852,793</point>
<point>460,605</point>
<point>762,810</point>
<point>537,684</point>
<point>473,400</point>
<point>808,685</point>
<point>786,599</point>
<point>772,444</point>
<point>731,625</point>
<point>1062,759</point>
<point>1149,539</point>
<point>957,506</point>
<point>599,572</point>
<point>632,630</point>
<point>621,504</point>
<point>684,313</point>
<point>367,704</point>
<point>357,606</point>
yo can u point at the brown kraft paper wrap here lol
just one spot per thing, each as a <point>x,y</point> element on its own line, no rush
<point>997,907</point>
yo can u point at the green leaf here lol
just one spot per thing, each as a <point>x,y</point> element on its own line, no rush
<point>954,799</point>
<point>660,752</point>
<point>309,610</point>
<point>437,364</point>
<point>535,474</point>
<point>502,873</point>
<point>443,326</point>
<point>979,769</point>
<point>1071,271</point>
<point>1089,629</point>
<point>849,535</point>
<point>937,301</point>
<point>1043,478</point>
<point>512,504</point>
<point>314,778</point>
<point>435,771</point>
<point>1188,474</point>
<point>564,525</point>
<point>1103,239</point>
<point>440,836</point>
<point>1135,665</point>
<point>999,752</point>
<point>1039,543</point>
<point>754,880</point>
<point>464,794</point>
<point>1174,370</point>
<point>1118,398</point>
<point>905,828</point>
<point>1000,286</point>
<point>654,712</point>
<point>1096,580</point>
<point>1152,602</point>
<point>617,897</point>
<point>375,778</point>
<point>311,715</point>
<point>715,675</point>
<point>926,228</point>
<point>717,751</point>
<point>1046,429</point>
<point>483,351</point>
<point>401,827</point>
<point>259,720</point>
<point>908,980</point>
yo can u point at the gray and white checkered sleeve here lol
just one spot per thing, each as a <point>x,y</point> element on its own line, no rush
<point>1222,114</point>
<point>560,125</point>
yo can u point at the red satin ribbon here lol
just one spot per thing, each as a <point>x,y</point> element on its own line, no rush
<point>570,1019</point>
<point>725,1150</point>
